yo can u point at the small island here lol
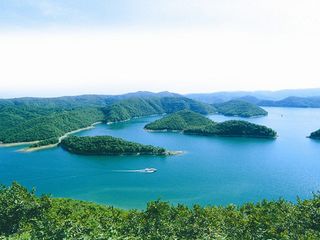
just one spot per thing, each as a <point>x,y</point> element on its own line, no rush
<point>193,123</point>
<point>234,128</point>
<point>240,108</point>
<point>315,135</point>
<point>107,145</point>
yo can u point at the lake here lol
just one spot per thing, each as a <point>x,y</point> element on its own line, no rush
<point>212,171</point>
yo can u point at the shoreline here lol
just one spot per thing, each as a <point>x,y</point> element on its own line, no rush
<point>213,135</point>
<point>37,148</point>
<point>232,136</point>
<point>245,117</point>
<point>163,130</point>
<point>32,149</point>
<point>164,154</point>
<point>132,118</point>
<point>17,144</point>
<point>174,153</point>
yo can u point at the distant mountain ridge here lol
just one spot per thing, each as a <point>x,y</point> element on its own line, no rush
<point>303,99</point>
<point>307,102</point>
<point>217,97</point>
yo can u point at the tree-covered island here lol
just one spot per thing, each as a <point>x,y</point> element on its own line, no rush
<point>108,145</point>
<point>315,135</point>
<point>193,123</point>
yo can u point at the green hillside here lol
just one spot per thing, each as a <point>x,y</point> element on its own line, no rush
<point>23,215</point>
<point>32,119</point>
<point>179,121</point>
<point>193,123</point>
<point>50,126</point>
<point>107,145</point>
<point>138,107</point>
<point>240,108</point>
<point>234,128</point>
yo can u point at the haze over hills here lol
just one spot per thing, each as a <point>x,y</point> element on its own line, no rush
<point>217,97</point>
<point>301,98</point>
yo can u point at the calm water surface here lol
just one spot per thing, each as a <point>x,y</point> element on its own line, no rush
<point>214,170</point>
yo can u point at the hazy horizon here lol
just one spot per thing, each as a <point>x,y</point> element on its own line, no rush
<point>57,48</point>
<point>184,94</point>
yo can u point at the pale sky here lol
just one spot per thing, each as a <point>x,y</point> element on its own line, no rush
<point>54,48</point>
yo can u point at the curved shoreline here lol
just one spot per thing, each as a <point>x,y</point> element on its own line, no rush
<point>163,130</point>
<point>132,118</point>
<point>17,144</point>
<point>242,116</point>
<point>213,135</point>
<point>32,149</point>
<point>232,136</point>
<point>166,153</point>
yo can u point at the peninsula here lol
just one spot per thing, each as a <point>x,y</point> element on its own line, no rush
<point>43,121</point>
<point>193,123</point>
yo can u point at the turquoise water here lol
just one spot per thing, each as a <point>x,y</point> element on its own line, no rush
<point>214,170</point>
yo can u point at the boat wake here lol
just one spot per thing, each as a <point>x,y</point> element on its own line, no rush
<point>146,170</point>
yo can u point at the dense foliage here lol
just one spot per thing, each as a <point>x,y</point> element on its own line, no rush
<point>193,123</point>
<point>138,107</point>
<point>49,126</point>
<point>38,119</point>
<point>49,141</point>
<point>179,121</point>
<point>107,145</point>
<point>240,108</point>
<point>315,134</point>
<point>234,128</point>
<point>11,116</point>
<point>23,215</point>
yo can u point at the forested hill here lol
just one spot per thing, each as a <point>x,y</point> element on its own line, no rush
<point>315,135</point>
<point>240,108</point>
<point>108,145</point>
<point>49,126</point>
<point>138,107</point>
<point>234,128</point>
<point>179,121</point>
<point>27,216</point>
<point>32,119</point>
<point>194,123</point>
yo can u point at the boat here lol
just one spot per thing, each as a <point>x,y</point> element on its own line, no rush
<point>150,170</point>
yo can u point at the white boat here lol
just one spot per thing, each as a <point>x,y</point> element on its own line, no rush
<point>150,170</point>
